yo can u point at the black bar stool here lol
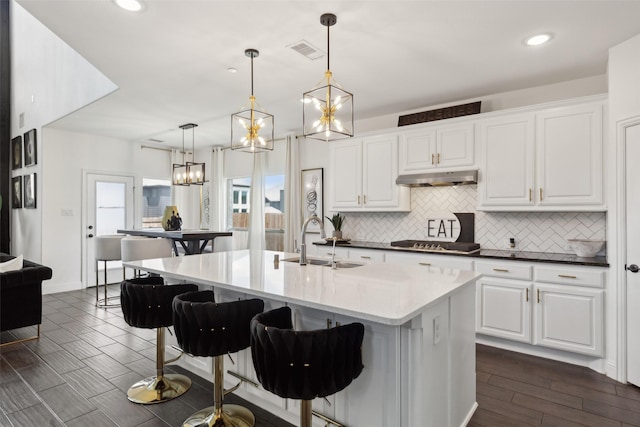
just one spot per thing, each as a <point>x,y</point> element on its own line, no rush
<point>304,364</point>
<point>206,328</point>
<point>146,303</point>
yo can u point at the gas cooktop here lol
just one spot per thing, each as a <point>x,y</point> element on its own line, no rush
<point>465,248</point>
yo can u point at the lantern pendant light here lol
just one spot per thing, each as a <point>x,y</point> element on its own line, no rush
<point>179,172</point>
<point>252,127</point>
<point>327,108</point>
<point>195,170</point>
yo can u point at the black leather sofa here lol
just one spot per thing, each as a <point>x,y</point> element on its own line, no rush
<point>21,295</point>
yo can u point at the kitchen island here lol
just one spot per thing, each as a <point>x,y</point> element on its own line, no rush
<point>419,345</point>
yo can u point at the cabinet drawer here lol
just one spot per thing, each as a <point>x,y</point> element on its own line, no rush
<point>505,270</point>
<point>571,276</point>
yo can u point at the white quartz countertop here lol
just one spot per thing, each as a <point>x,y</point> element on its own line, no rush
<point>380,292</point>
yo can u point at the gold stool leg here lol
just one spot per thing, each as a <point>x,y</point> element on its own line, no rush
<point>161,387</point>
<point>219,415</point>
<point>305,413</point>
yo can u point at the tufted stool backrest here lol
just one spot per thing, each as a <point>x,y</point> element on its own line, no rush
<point>206,328</point>
<point>146,302</point>
<point>304,364</point>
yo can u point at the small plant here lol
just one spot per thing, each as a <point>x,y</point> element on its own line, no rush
<point>337,221</point>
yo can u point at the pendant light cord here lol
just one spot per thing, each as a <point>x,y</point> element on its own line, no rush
<point>328,49</point>
<point>252,55</point>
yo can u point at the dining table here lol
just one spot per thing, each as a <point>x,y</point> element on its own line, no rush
<point>192,241</point>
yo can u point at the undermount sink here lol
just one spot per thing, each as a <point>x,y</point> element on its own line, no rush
<point>325,262</point>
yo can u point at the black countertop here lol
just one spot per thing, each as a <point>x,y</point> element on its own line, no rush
<point>598,261</point>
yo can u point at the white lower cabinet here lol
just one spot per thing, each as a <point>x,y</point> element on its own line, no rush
<point>569,319</point>
<point>562,308</point>
<point>504,308</point>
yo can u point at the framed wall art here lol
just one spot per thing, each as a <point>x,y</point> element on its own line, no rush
<point>312,196</point>
<point>30,191</point>
<point>16,152</point>
<point>16,192</point>
<point>30,145</point>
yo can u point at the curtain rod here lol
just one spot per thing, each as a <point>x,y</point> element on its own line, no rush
<point>149,147</point>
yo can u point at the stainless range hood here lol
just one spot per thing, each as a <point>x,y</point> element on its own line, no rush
<point>437,179</point>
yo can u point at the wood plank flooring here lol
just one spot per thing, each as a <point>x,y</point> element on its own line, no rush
<point>516,390</point>
<point>78,372</point>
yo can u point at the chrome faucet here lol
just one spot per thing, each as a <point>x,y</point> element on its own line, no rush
<point>303,245</point>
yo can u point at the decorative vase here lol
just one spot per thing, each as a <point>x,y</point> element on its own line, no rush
<point>171,220</point>
<point>337,234</point>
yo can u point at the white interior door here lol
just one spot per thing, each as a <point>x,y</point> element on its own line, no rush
<point>632,154</point>
<point>109,207</point>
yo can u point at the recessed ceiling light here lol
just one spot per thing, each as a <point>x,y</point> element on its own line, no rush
<point>538,39</point>
<point>130,5</point>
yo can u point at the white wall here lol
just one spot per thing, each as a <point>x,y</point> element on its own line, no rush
<point>624,103</point>
<point>65,156</point>
<point>38,98</point>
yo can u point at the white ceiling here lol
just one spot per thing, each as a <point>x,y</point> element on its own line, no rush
<point>170,61</point>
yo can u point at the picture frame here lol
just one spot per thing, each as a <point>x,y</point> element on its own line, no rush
<point>30,148</point>
<point>16,192</point>
<point>29,186</point>
<point>16,152</point>
<point>312,197</point>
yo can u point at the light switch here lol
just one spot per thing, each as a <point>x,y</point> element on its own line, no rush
<point>66,212</point>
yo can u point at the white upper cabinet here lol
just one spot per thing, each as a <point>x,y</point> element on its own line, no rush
<point>436,147</point>
<point>569,154</point>
<point>549,160</point>
<point>507,161</point>
<point>364,173</point>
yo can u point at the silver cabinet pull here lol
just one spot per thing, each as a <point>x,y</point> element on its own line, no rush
<point>501,270</point>
<point>365,257</point>
<point>425,263</point>
<point>527,297</point>
<point>567,276</point>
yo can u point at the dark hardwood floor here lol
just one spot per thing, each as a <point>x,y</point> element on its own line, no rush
<point>78,372</point>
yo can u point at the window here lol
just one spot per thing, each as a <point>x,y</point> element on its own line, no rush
<point>156,195</point>
<point>239,192</point>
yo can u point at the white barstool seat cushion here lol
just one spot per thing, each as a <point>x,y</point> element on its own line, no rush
<point>108,247</point>
<point>135,249</point>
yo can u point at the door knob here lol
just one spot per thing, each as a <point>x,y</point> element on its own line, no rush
<point>632,268</point>
<point>89,235</point>
<point>90,227</point>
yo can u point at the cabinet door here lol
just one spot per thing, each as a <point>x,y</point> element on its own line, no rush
<point>346,169</point>
<point>507,173</point>
<point>569,318</point>
<point>380,170</point>
<point>378,382</point>
<point>504,308</point>
<point>455,146</point>
<point>569,151</point>
<point>417,150</point>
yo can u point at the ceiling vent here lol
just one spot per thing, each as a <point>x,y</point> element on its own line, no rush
<point>306,49</point>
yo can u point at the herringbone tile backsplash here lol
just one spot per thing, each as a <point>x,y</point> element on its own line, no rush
<point>533,231</point>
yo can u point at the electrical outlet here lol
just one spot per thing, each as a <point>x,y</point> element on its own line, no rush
<point>436,330</point>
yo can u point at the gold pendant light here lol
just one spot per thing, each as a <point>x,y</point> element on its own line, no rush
<point>327,108</point>
<point>252,127</point>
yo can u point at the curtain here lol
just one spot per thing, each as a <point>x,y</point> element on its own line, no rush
<point>217,191</point>
<point>292,221</point>
<point>256,207</point>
